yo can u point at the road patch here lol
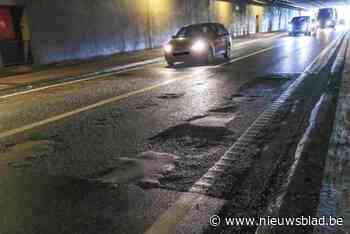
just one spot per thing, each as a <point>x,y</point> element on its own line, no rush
<point>145,170</point>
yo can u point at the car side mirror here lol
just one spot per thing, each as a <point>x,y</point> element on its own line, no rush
<point>173,37</point>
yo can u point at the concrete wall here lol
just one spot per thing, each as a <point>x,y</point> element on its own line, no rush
<point>241,18</point>
<point>73,29</point>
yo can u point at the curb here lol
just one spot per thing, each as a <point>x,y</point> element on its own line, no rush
<point>285,198</point>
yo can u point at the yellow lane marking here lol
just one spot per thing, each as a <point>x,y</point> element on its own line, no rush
<point>171,217</point>
<point>104,102</point>
<point>83,109</point>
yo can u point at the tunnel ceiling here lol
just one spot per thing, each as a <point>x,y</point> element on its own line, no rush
<point>307,4</point>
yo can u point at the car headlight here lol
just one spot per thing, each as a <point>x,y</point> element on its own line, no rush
<point>290,27</point>
<point>168,48</point>
<point>329,23</point>
<point>304,27</point>
<point>199,46</point>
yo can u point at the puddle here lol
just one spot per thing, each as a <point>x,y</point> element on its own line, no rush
<point>171,95</point>
<point>146,170</point>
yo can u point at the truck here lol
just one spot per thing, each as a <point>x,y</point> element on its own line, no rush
<point>327,17</point>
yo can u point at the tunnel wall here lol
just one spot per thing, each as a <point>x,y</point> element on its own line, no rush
<point>11,2</point>
<point>77,29</point>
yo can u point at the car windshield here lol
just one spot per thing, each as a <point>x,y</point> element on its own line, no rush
<point>324,13</point>
<point>195,30</point>
<point>298,20</point>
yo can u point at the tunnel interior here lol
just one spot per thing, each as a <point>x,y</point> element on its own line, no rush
<point>43,32</point>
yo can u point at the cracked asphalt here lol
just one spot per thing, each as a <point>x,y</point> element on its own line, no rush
<point>118,166</point>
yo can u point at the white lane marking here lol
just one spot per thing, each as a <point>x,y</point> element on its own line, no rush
<point>259,39</point>
<point>167,222</point>
<point>90,77</point>
<point>102,103</point>
<point>249,55</point>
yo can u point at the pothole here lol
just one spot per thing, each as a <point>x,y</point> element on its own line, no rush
<point>199,133</point>
<point>260,87</point>
<point>194,131</point>
<point>264,84</point>
<point>146,170</point>
<point>171,95</point>
<point>225,109</point>
<point>215,121</point>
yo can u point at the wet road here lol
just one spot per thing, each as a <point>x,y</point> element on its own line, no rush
<point>73,157</point>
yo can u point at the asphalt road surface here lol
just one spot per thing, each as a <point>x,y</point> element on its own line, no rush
<point>111,155</point>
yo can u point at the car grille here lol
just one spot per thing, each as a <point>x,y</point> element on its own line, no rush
<point>181,53</point>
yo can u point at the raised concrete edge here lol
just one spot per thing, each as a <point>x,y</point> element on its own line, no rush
<point>335,191</point>
<point>283,198</point>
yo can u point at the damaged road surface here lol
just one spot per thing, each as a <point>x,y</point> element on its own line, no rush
<point>158,149</point>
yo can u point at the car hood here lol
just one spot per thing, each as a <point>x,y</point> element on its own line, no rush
<point>185,42</point>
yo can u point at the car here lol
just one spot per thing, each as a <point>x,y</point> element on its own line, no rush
<point>300,25</point>
<point>198,43</point>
